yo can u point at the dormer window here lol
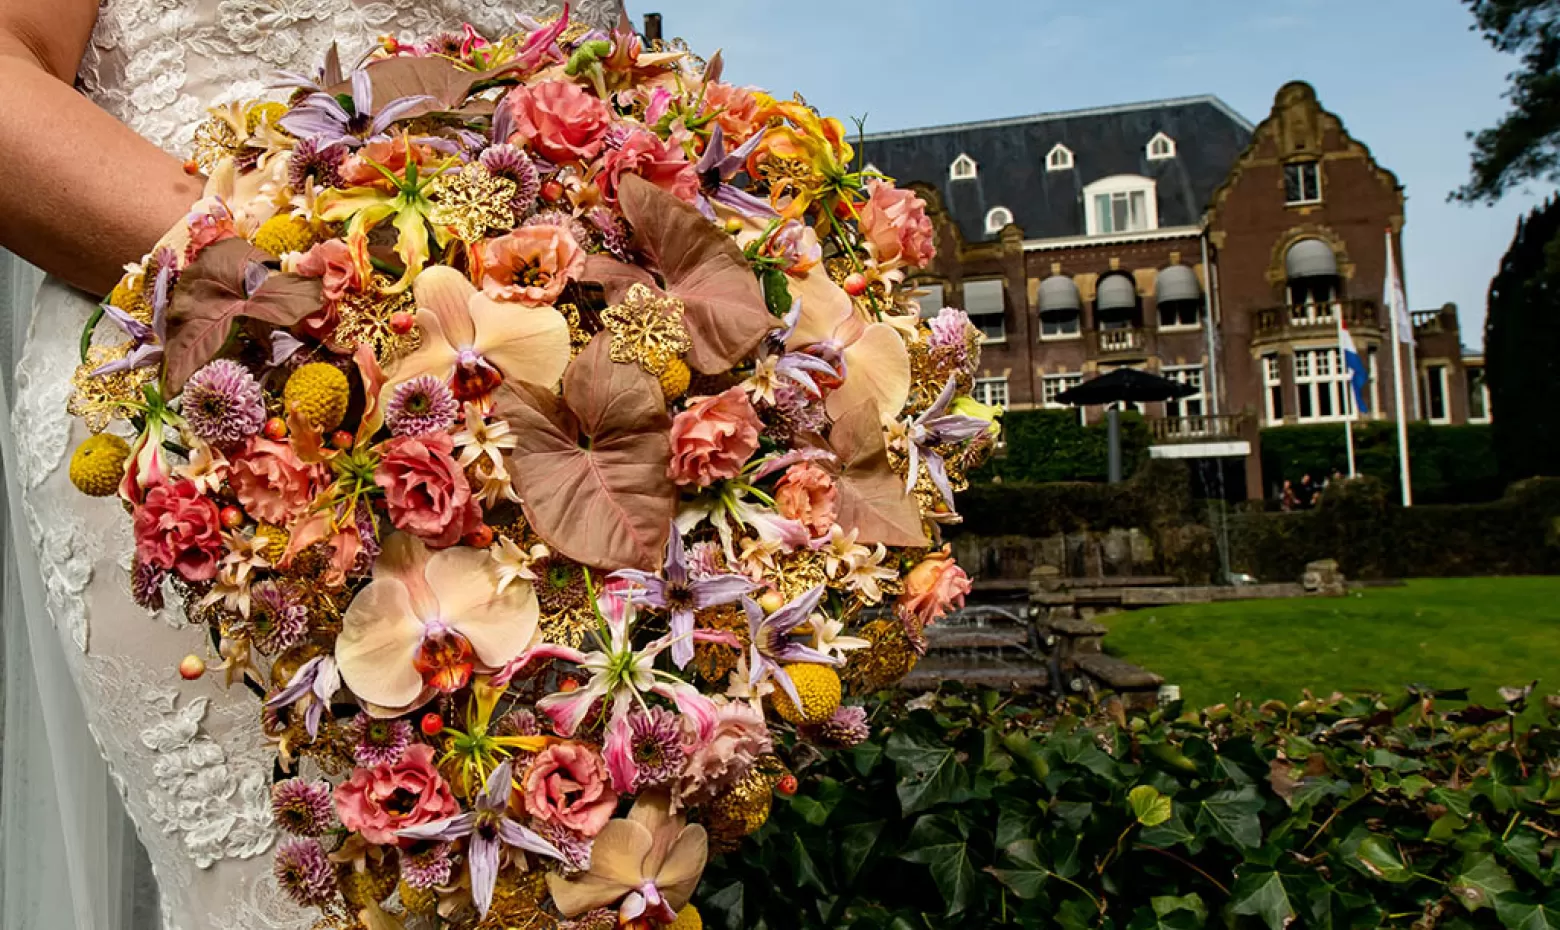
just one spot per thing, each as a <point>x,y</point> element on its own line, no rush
<point>998,218</point>
<point>962,169</point>
<point>1060,158</point>
<point>1123,203</point>
<point>1161,147</point>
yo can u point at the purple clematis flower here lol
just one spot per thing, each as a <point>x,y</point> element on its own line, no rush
<point>935,427</point>
<point>490,827</point>
<point>716,168</point>
<point>773,645</point>
<point>148,340</point>
<point>673,590</point>
<point>798,367</point>
<point>325,118</point>
<point>316,680</point>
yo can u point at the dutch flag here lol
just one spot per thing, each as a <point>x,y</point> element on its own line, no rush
<point>1353,364</point>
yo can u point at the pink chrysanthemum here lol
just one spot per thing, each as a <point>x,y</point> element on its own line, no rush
<point>311,159</point>
<point>223,404</point>
<point>519,723</point>
<point>575,847</point>
<point>146,585</point>
<point>302,808</point>
<point>599,919</point>
<point>379,742</point>
<point>367,526</point>
<point>281,620</point>
<point>796,413</point>
<point>576,228</point>
<point>421,406</point>
<point>706,559</point>
<point>507,161</point>
<point>845,728</point>
<point>305,873</point>
<point>427,865</point>
<point>655,742</point>
<point>614,235</point>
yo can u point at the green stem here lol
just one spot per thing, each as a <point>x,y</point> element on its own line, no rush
<point>91,327</point>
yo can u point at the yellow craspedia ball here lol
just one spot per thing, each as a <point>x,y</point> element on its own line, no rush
<point>99,464</point>
<point>276,540</point>
<point>819,688</point>
<point>675,378</point>
<point>687,919</point>
<point>418,900</point>
<point>268,112</point>
<point>131,300</point>
<point>319,392</point>
<point>284,233</point>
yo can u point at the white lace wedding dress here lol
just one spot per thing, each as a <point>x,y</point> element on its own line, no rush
<point>188,757</point>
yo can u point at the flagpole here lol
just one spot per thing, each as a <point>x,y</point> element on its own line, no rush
<point>1348,432</point>
<point>1349,398</point>
<point>1393,292</point>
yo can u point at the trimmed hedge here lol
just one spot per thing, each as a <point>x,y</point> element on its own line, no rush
<point>1049,446</point>
<point>1451,464</point>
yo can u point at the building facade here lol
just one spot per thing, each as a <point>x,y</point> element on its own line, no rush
<point>1177,237</point>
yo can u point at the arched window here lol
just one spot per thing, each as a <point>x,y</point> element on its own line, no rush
<point>998,218</point>
<point>1060,158</point>
<point>1161,147</point>
<point>1122,203</point>
<point>962,169</point>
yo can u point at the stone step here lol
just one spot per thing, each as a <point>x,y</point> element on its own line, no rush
<point>1119,675</point>
<point>940,638</point>
<point>1004,676</point>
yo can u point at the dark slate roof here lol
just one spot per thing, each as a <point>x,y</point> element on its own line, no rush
<point>1106,141</point>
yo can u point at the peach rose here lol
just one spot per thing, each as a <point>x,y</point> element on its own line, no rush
<point>663,164</point>
<point>567,785</point>
<point>390,154</point>
<point>530,265</point>
<point>379,801</point>
<point>736,109</point>
<point>333,263</point>
<point>713,438</point>
<point>273,484</point>
<point>559,120</point>
<point>806,494</point>
<point>426,490</point>
<point>933,587</point>
<point>896,226</point>
<point>178,528</point>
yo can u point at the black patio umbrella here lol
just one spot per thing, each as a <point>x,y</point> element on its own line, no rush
<point>1121,386</point>
<point>1125,384</point>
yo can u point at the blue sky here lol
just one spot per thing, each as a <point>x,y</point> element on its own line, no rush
<point>1407,77</point>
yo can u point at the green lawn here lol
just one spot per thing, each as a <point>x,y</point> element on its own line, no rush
<point>1478,633</point>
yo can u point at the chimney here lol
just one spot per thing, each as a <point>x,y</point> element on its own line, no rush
<point>652,27</point>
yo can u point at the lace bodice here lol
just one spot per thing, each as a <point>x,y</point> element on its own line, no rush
<point>159,64</point>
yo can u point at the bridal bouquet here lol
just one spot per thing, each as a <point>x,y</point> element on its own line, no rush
<point>544,429</point>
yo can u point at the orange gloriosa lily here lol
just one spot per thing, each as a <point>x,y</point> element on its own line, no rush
<point>798,134</point>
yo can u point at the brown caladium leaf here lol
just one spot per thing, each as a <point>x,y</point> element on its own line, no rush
<point>723,305</point>
<point>872,498</point>
<point>435,77</point>
<point>591,465</point>
<point>227,281</point>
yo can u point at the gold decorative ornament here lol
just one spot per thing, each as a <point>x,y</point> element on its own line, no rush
<point>216,139</point>
<point>365,316</point>
<point>471,203</point>
<point>890,657</point>
<point>102,398</point>
<point>647,330</point>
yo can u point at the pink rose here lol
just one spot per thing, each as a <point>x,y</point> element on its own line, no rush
<point>333,263</point>
<point>178,528</point>
<point>530,265</point>
<point>795,245</point>
<point>806,494</point>
<point>896,226</point>
<point>272,483</point>
<point>663,164</point>
<point>736,109</point>
<point>379,801</point>
<point>561,121</point>
<point>567,785</point>
<point>736,740</point>
<point>426,490</point>
<point>713,438</point>
<point>933,587</point>
<point>391,154</point>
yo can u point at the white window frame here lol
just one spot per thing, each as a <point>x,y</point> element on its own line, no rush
<point>1321,377</point>
<point>1273,380</point>
<point>1437,375</point>
<point>1160,147</point>
<point>1052,385</point>
<point>979,315</point>
<point>1316,166</point>
<point>963,169</point>
<point>1178,327</point>
<point>1193,376</point>
<point>1060,158</point>
<point>1484,388</point>
<point>932,302</point>
<point>998,218</point>
<point>1123,185</point>
<point>1074,332</point>
<point>992,391</point>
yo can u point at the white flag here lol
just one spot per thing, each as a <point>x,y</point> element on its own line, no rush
<point>1394,298</point>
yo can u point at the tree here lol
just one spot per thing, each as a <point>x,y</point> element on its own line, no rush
<point>1522,348</point>
<point>1525,144</point>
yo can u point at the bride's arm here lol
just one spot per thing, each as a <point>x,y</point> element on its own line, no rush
<point>80,194</point>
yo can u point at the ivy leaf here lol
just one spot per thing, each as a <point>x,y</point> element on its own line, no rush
<point>1380,858</point>
<point>1262,894</point>
<point>1522,849</point>
<point>1027,875</point>
<point>226,282</point>
<point>1232,815</point>
<point>803,867</point>
<point>1169,904</point>
<point>1455,801</point>
<point>811,811</point>
<point>1146,919</point>
<point>928,775</point>
<point>1150,807</point>
<point>726,903</point>
<point>856,844</point>
<point>1480,881</point>
<point>948,858</point>
<point>1522,912</point>
<point>1503,785</point>
<point>1172,832</point>
<point>872,498</point>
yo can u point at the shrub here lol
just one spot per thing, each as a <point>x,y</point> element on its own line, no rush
<point>1451,464</point>
<point>1050,445</point>
<point>977,810</point>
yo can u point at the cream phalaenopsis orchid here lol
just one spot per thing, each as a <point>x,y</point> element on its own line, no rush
<point>646,865</point>
<point>877,361</point>
<point>475,342</point>
<point>429,620</point>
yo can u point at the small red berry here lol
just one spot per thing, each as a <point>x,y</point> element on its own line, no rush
<point>552,190</point>
<point>479,538</point>
<point>787,785</point>
<point>856,284</point>
<point>342,439</point>
<point>191,168</point>
<point>276,429</point>
<point>569,684</point>
<point>402,322</point>
<point>432,724</point>
<point>192,667</point>
<point>232,517</point>
<point>771,601</point>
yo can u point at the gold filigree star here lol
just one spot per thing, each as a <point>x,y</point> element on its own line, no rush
<point>366,317</point>
<point>647,329</point>
<point>472,202</point>
<point>97,400</point>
